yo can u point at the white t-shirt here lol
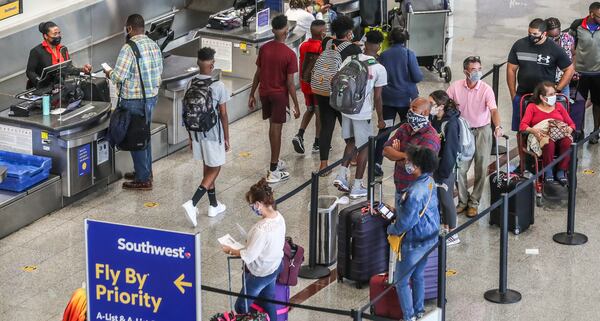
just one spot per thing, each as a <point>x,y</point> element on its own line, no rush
<point>302,17</point>
<point>220,96</point>
<point>377,78</point>
<point>264,248</point>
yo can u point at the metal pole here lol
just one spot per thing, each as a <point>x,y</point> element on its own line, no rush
<point>496,90</point>
<point>441,303</point>
<point>312,270</point>
<point>503,295</point>
<point>371,170</point>
<point>356,315</point>
<point>570,237</point>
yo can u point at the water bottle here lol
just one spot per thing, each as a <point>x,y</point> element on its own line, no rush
<point>46,105</point>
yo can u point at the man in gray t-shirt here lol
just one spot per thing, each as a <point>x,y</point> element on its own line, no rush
<point>210,147</point>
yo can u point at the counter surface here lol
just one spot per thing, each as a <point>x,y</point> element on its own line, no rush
<point>89,112</point>
<point>248,34</point>
<point>179,67</point>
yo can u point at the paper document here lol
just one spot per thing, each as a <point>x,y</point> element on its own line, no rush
<point>227,240</point>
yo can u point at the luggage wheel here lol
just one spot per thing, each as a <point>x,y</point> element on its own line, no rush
<point>447,74</point>
<point>539,201</point>
<point>517,231</point>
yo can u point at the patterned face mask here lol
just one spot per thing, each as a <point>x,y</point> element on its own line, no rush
<point>416,121</point>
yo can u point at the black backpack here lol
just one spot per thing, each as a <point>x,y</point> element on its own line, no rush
<point>198,112</point>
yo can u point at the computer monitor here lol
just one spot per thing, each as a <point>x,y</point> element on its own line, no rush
<point>54,72</point>
<point>161,28</point>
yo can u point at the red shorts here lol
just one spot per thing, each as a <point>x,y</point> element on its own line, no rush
<point>310,101</point>
<point>275,107</point>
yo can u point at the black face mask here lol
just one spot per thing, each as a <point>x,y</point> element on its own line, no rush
<point>55,41</point>
<point>534,39</point>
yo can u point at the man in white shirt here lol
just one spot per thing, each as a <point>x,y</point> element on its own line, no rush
<point>356,128</point>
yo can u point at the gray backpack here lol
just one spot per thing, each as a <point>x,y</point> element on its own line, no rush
<point>326,66</point>
<point>466,138</point>
<point>349,86</point>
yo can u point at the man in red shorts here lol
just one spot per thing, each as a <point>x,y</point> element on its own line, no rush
<point>311,48</point>
<point>275,68</point>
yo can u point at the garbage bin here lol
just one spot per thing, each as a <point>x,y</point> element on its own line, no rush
<point>327,220</point>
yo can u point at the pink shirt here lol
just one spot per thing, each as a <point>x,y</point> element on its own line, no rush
<point>475,104</point>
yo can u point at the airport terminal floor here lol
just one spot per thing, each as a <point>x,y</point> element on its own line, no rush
<point>42,264</point>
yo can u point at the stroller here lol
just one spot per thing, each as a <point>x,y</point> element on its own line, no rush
<point>531,161</point>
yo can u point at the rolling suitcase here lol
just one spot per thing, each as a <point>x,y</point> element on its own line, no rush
<point>577,113</point>
<point>282,294</point>
<point>520,206</point>
<point>389,306</point>
<point>363,249</point>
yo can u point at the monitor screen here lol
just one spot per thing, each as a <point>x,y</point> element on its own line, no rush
<point>54,71</point>
<point>161,27</point>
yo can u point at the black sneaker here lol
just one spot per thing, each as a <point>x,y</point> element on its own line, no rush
<point>594,140</point>
<point>315,148</point>
<point>298,143</point>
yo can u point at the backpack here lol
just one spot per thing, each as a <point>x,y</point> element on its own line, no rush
<point>117,126</point>
<point>325,68</point>
<point>198,112</point>
<point>293,257</point>
<point>349,86</point>
<point>466,139</point>
<point>308,65</point>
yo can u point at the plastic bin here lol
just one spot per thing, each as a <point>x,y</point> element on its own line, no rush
<point>327,221</point>
<point>23,171</point>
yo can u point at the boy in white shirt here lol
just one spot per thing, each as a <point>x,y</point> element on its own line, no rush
<point>357,128</point>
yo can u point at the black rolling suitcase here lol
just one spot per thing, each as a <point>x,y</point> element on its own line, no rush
<point>520,206</point>
<point>363,249</point>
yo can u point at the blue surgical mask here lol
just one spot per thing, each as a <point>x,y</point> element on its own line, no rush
<point>255,210</point>
<point>409,167</point>
<point>475,76</point>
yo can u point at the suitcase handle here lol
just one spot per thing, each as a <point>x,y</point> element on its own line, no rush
<point>507,160</point>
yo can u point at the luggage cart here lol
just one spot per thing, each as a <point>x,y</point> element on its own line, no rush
<point>427,24</point>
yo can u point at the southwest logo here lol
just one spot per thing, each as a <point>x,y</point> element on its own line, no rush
<point>149,248</point>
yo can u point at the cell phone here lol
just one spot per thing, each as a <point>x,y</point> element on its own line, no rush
<point>106,67</point>
<point>385,211</point>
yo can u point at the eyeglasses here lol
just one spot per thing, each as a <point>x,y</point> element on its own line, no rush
<point>473,59</point>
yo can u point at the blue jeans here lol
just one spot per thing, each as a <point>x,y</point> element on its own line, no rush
<point>142,159</point>
<point>262,287</point>
<point>412,300</point>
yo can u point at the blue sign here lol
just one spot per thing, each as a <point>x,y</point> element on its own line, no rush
<point>136,273</point>
<point>84,161</point>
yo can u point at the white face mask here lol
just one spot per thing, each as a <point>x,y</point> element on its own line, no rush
<point>551,100</point>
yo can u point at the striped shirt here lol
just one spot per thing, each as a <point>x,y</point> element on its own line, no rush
<point>425,137</point>
<point>126,71</point>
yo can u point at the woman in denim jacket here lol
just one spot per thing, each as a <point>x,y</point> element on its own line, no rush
<point>418,220</point>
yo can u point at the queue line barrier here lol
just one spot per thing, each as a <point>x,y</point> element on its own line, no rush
<point>500,295</point>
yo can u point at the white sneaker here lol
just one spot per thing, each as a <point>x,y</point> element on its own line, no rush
<point>358,191</point>
<point>190,212</point>
<point>277,176</point>
<point>216,210</point>
<point>281,165</point>
<point>452,240</point>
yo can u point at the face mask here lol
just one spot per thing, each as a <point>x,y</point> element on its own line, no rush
<point>475,76</point>
<point>55,41</point>
<point>534,39</point>
<point>409,167</point>
<point>255,210</point>
<point>551,100</point>
<point>416,121</point>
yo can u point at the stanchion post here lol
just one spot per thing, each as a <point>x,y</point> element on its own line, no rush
<point>371,170</point>
<point>570,237</point>
<point>503,295</point>
<point>312,270</point>
<point>496,90</point>
<point>441,303</point>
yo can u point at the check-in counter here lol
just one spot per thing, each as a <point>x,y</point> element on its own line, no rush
<point>237,50</point>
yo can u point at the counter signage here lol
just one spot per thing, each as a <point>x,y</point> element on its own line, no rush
<point>10,8</point>
<point>262,20</point>
<point>141,274</point>
<point>84,161</point>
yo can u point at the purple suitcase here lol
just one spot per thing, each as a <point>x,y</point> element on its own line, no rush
<point>431,276</point>
<point>282,293</point>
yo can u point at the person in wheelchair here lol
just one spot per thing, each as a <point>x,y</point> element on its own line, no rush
<point>551,127</point>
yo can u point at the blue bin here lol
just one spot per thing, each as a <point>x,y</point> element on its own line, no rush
<point>24,171</point>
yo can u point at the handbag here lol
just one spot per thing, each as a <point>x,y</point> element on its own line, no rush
<point>557,130</point>
<point>138,131</point>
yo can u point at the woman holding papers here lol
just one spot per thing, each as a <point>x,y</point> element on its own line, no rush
<point>263,251</point>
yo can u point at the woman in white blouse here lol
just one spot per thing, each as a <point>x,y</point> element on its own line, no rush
<point>263,252</point>
<point>298,13</point>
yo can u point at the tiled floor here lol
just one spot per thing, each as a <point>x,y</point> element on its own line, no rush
<point>558,284</point>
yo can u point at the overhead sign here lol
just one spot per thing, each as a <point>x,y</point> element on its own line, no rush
<point>136,273</point>
<point>10,8</point>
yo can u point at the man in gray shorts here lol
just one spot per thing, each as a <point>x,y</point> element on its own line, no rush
<point>357,128</point>
<point>210,146</point>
